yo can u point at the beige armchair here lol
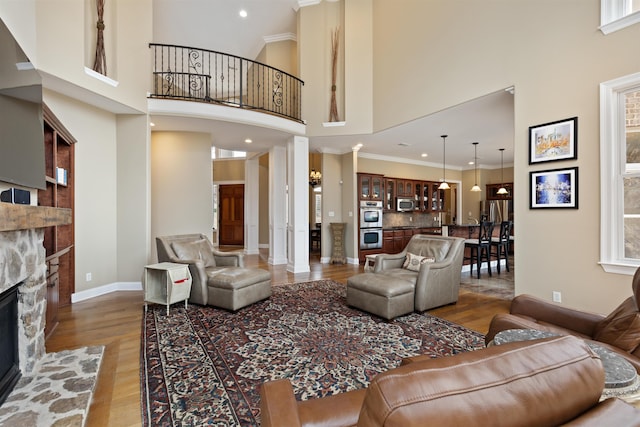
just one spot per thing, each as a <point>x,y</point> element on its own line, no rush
<point>426,274</point>
<point>218,278</point>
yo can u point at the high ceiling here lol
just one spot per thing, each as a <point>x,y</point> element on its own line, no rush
<point>198,23</point>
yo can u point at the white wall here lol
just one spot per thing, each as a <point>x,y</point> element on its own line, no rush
<point>181,186</point>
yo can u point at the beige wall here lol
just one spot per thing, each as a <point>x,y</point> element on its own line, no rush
<point>135,246</point>
<point>181,187</point>
<point>96,192</point>
<point>281,55</point>
<point>228,170</point>
<point>490,46</point>
<point>355,73</point>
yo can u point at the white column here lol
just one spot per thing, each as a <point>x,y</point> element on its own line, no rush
<point>251,205</point>
<point>277,205</point>
<point>298,227</point>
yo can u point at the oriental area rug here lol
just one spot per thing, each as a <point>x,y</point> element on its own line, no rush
<point>204,366</point>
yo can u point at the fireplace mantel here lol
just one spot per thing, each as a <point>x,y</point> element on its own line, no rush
<point>24,217</point>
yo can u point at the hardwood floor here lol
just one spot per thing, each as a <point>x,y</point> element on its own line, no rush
<point>115,321</point>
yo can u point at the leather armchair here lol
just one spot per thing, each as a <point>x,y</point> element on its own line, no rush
<point>436,283</point>
<point>218,278</point>
<point>546,382</point>
<point>618,332</point>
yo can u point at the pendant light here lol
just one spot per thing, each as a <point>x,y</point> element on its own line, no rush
<point>475,187</point>
<point>502,190</point>
<point>443,185</point>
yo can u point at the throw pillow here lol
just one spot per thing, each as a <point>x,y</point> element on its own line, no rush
<point>621,328</point>
<point>195,250</point>
<point>413,262</point>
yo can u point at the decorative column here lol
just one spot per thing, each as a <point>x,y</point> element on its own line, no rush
<point>298,184</point>
<point>251,205</point>
<point>277,206</point>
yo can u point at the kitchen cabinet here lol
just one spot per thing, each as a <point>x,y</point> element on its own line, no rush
<point>389,203</point>
<point>437,197</point>
<point>492,191</point>
<point>404,187</point>
<point>370,186</point>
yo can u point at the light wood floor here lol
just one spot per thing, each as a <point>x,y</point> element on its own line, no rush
<point>115,321</point>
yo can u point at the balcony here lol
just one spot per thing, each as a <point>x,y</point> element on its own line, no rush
<point>201,75</point>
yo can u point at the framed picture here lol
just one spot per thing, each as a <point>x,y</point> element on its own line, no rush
<point>553,141</point>
<point>556,188</point>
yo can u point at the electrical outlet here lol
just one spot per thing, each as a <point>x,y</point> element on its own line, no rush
<point>557,296</point>
<point>88,277</point>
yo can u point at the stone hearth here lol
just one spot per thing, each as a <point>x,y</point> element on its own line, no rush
<point>55,388</point>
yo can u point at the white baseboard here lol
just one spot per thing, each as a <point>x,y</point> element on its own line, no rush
<point>494,264</point>
<point>106,289</point>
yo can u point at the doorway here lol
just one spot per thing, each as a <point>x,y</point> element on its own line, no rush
<point>231,215</point>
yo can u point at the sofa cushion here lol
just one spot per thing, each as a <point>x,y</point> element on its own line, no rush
<point>621,328</point>
<point>195,250</point>
<point>413,262</point>
<point>435,248</point>
<point>483,386</point>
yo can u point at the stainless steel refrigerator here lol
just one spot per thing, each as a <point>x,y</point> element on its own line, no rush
<point>497,210</point>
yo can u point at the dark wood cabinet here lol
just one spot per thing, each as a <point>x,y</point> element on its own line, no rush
<point>492,191</point>
<point>370,186</point>
<point>390,193</point>
<point>437,197</point>
<point>404,187</point>
<point>58,240</point>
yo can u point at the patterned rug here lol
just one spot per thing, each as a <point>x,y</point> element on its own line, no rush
<point>204,366</point>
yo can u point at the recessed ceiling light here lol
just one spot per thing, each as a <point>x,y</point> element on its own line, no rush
<point>242,13</point>
<point>248,141</point>
<point>152,124</point>
<point>424,154</point>
<point>471,162</point>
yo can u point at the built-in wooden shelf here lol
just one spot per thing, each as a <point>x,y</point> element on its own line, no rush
<point>23,217</point>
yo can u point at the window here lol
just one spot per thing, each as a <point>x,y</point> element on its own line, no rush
<point>220,153</point>
<point>620,174</point>
<point>618,14</point>
<point>318,208</point>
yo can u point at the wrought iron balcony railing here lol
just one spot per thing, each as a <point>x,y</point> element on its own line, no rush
<point>189,73</point>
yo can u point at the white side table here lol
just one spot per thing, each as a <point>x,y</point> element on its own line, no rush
<point>166,283</point>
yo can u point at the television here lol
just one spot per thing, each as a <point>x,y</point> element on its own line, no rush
<point>22,157</point>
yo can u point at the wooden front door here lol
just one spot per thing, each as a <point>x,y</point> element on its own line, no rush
<point>231,211</point>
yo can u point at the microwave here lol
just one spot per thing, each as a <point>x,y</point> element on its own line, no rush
<point>405,204</point>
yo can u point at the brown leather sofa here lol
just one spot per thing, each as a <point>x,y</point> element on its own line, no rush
<point>550,382</point>
<point>219,278</point>
<point>618,332</point>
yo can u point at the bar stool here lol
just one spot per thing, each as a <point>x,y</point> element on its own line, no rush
<point>480,248</point>
<point>501,243</point>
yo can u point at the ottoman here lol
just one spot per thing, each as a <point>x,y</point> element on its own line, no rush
<point>381,295</point>
<point>234,288</point>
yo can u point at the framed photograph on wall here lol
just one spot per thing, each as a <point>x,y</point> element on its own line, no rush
<point>553,141</point>
<point>557,188</point>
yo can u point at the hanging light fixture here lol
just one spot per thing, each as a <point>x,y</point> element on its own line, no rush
<point>502,190</point>
<point>475,187</point>
<point>315,178</point>
<point>443,185</point>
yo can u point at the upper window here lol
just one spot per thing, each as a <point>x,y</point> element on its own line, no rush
<point>221,153</point>
<point>620,174</point>
<point>618,14</point>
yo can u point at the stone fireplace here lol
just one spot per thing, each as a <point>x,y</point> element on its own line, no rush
<point>54,388</point>
<point>22,262</point>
